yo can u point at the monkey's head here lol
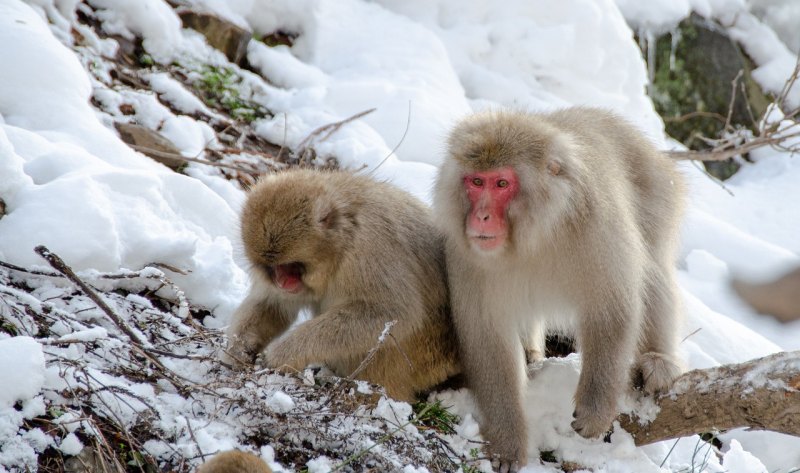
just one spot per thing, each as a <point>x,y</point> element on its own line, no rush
<point>294,230</point>
<point>507,180</point>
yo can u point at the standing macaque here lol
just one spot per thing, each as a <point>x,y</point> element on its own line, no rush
<point>234,461</point>
<point>561,221</point>
<point>359,254</point>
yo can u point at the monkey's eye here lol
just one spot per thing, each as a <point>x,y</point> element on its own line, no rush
<point>477,181</point>
<point>502,183</point>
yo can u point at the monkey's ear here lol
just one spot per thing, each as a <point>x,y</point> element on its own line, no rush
<point>328,216</point>
<point>554,167</point>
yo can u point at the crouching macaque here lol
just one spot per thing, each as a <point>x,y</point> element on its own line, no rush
<point>234,461</point>
<point>357,253</point>
<point>565,221</point>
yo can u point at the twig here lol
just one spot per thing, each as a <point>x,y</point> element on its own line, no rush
<point>36,272</point>
<point>167,155</point>
<point>333,127</point>
<point>371,354</point>
<point>732,103</point>
<point>397,146</point>
<point>726,152</point>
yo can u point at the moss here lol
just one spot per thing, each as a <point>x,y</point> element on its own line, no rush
<point>221,89</point>
<point>435,416</point>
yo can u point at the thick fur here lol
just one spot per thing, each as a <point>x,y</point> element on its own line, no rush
<point>592,238</point>
<point>234,461</point>
<point>371,255</point>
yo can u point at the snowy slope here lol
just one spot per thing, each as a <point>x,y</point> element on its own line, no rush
<point>71,184</point>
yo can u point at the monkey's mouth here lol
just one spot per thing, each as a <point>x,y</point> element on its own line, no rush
<point>487,242</point>
<point>288,277</point>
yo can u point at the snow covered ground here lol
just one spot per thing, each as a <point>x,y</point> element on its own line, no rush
<point>71,184</point>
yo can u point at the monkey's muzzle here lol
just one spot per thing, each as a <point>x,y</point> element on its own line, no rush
<point>288,277</point>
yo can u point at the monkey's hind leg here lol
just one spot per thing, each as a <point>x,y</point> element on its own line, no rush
<point>658,364</point>
<point>532,337</point>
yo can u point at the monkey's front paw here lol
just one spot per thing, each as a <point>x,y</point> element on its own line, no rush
<point>591,425</point>
<point>505,457</point>
<point>505,466</point>
<point>237,356</point>
<point>281,357</point>
<point>658,371</point>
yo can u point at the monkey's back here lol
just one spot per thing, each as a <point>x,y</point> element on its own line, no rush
<point>613,148</point>
<point>406,276</point>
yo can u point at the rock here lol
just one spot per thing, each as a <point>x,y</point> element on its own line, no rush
<point>279,38</point>
<point>2,208</point>
<point>150,143</point>
<point>696,76</point>
<point>221,34</point>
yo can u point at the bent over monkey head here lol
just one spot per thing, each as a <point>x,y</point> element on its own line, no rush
<point>294,230</point>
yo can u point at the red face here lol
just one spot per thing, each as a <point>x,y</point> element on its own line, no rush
<point>489,194</point>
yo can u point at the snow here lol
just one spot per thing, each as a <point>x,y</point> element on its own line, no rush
<point>71,445</point>
<point>21,369</point>
<point>71,184</point>
<point>737,460</point>
<point>280,402</point>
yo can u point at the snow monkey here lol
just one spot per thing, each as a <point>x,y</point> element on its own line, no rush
<point>234,461</point>
<point>358,253</point>
<point>565,221</point>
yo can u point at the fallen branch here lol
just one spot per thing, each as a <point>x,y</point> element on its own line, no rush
<point>761,394</point>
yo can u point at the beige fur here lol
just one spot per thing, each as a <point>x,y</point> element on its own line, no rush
<point>371,255</point>
<point>593,232</point>
<point>234,461</point>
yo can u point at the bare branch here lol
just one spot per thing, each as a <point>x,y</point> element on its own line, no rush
<point>331,128</point>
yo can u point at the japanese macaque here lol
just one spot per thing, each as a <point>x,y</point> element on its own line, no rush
<point>779,298</point>
<point>565,221</point>
<point>358,253</point>
<point>234,461</point>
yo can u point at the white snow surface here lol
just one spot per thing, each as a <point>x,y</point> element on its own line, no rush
<point>71,184</point>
